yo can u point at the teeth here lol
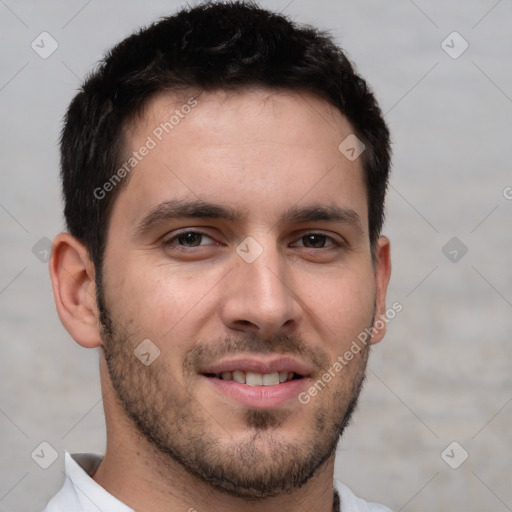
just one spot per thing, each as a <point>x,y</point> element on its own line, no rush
<point>239,376</point>
<point>253,379</point>
<point>270,379</point>
<point>257,379</point>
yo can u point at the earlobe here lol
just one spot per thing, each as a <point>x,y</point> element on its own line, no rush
<point>74,290</point>
<point>382,275</point>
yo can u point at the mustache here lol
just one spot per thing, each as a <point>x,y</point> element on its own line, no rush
<point>207,352</point>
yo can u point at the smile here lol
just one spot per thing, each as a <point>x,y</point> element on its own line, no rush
<point>258,382</point>
<point>256,379</point>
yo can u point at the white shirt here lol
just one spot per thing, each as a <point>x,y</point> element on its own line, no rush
<point>80,493</point>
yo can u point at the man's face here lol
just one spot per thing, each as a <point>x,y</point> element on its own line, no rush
<point>240,248</point>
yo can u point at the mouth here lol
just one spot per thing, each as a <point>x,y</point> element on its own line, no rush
<point>258,371</point>
<point>256,379</point>
<point>256,382</point>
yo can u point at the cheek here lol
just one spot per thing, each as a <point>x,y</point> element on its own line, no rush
<point>159,300</point>
<point>341,304</point>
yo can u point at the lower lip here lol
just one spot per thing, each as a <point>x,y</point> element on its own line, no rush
<point>259,397</point>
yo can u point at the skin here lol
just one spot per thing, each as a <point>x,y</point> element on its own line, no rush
<point>308,298</point>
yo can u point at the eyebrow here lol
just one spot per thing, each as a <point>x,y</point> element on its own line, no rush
<point>329,213</point>
<point>179,209</point>
<point>183,209</point>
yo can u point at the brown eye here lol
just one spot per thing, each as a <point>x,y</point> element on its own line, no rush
<point>315,240</point>
<point>190,239</point>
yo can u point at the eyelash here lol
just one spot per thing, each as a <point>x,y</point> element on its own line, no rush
<point>170,241</point>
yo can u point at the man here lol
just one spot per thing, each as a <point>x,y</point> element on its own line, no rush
<point>224,174</point>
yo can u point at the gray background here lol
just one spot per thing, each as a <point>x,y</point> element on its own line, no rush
<point>442,374</point>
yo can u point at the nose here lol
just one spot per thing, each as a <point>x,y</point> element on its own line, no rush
<point>259,296</point>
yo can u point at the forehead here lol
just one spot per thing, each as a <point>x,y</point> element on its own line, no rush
<point>259,151</point>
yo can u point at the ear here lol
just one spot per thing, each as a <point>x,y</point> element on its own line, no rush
<point>382,274</point>
<point>74,290</point>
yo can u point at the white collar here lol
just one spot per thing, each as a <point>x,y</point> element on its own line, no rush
<point>80,493</point>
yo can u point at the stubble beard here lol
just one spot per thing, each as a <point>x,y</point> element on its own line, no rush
<point>261,465</point>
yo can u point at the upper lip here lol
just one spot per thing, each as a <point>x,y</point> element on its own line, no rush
<point>259,365</point>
